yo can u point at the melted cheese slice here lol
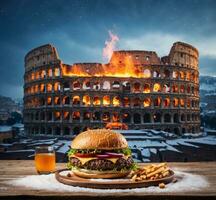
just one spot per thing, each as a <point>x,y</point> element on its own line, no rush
<point>85,160</point>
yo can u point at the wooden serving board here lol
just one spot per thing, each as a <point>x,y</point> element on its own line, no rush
<point>123,183</point>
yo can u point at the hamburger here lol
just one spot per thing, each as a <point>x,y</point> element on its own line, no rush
<point>100,153</point>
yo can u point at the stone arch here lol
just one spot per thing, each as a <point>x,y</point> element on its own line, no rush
<point>157,117</point>
<point>106,117</point>
<point>167,118</point>
<point>147,118</point>
<point>176,118</point>
<point>76,130</point>
<point>137,118</point>
<point>126,118</point>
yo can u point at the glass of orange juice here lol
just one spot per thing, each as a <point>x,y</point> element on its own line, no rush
<point>45,159</point>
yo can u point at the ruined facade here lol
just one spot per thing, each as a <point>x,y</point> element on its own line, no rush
<point>136,88</point>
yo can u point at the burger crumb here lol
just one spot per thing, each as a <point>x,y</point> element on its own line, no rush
<point>162,185</point>
<point>69,175</point>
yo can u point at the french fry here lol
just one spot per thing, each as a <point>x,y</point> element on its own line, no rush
<point>151,172</point>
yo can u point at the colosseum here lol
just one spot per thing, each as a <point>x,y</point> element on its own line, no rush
<point>135,90</point>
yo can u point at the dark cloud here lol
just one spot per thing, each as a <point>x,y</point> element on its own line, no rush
<point>79,28</point>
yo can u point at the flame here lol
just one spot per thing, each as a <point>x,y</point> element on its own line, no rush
<point>117,126</point>
<point>110,46</point>
<point>122,64</point>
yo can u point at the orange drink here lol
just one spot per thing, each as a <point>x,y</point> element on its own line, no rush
<point>45,160</point>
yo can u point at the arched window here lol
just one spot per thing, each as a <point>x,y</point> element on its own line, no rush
<point>66,131</point>
<point>76,130</point>
<point>166,102</point>
<point>115,117</point>
<point>166,88</point>
<point>126,86</point>
<point>106,85</point>
<point>136,87</point>
<point>136,102</point>
<point>86,100</point>
<point>176,118</point>
<point>175,88</point>
<point>156,87</point>
<point>106,117</point>
<point>96,86</point>
<point>96,116</point>
<point>147,102</point>
<point>115,85</point>
<point>182,88</point>
<point>56,100</point>
<point>66,100</point>
<point>175,102</point>
<point>175,75</point>
<point>57,115</point>
<point>76,116</point>
<point>66,86</point>
<point>181,75</point>
<point>182,117</point>
<point>96,101</point>
<point>86,85</point>
<point>157,101</point>
<point>66,116</point>
<point>57,131</point>
<point>146,73</point>
<point>106,100</point>
<point>126,102</point>
<point>76,85</point>
<point>137,118</point>
<point>57,86</point>
<point>156,74</point>
<point>116,101</point>
<point>167,118</point>
<point>182,102</point>
<point>147,118</point>
<point>49,101</point>
<point>157,117</point>
<point>126,118</point>
<point>86,116</point>
<point>146,88</point>
<point>166,73</point>
<point>76,100</point>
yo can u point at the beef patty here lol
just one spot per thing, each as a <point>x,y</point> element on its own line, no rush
<point>103,164</point>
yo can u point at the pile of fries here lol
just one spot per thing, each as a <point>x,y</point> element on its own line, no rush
<point>151,172</point>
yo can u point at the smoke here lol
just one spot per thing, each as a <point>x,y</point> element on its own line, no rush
<point>110,46</point>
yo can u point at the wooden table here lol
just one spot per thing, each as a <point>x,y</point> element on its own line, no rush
<point>10,169</point>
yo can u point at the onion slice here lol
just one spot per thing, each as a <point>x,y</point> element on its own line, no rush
<point>115,155</point>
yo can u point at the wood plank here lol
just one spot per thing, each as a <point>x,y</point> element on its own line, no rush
<point>10,169</point>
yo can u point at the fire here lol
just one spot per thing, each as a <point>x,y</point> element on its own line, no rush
<point>116,126</point>
<point>110,46</point>
<point>121,64</point>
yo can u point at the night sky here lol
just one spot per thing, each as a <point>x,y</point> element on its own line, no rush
<point>79,29</point>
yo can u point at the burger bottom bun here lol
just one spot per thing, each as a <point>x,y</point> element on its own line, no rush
<point>98,174</point>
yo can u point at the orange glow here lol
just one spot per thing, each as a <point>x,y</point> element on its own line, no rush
<point>42,88</point>
<point>76,100</point>
<point>166,102</point>
<point>49,100</point>
<point>106,100</point>
<point>57,101</point>
<point>182,102</point>
<point>57,115</point>
<point>49,87</point>
<point>157,87</point>
<point>117,126</point>
<point>125,68</point>
<point>96,101</point>
<point>175,102</point>
<point>76,115</point>
<point>86,100</point>
<point>115,117</point>
<point>57,86</point>
<point>146,88</point>
<point>147,102</point>
<point>116,101</point>
<point>66,115</point>
<point>56,72</point>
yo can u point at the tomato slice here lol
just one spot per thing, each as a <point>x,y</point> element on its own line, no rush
<point>84,155</point>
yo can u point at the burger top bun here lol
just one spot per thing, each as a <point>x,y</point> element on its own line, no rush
<point>99,139</point>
